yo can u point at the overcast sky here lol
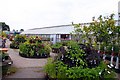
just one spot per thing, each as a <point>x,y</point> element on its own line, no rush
<point>27,14</point>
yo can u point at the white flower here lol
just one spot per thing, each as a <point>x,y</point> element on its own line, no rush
<point>108,72</point>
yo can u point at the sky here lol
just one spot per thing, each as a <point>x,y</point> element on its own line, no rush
<point>28,14</point>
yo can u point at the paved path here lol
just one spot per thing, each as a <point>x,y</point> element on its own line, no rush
<point>27,67</point>
<point>21,62</point>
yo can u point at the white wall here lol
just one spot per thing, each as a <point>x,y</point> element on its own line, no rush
<point>54,38</point>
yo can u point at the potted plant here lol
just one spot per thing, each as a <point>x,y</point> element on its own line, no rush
<point>56,47</point>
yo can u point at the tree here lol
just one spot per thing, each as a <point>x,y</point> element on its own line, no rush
<point>103,35</point>
<point>5,27</point>
<point>13,30</point>
<point>102,30</point>
<point>21,30</point>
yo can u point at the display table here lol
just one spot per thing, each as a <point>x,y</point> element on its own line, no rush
<point>4,49</point>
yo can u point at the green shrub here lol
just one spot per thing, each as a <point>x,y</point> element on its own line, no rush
<point>57,45</point>
<point>32,48</point>
<point>60,70</point>
<point>116,48</point>
<point>17,41</point>
<point>47,48</point>
<point>50,68</point>
<point>20,38</point>
<point>24,48</point>
<point>64,68</point>
<point>3,55</point>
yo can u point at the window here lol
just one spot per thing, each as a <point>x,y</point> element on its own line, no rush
<point>64,36</point>
<point>57,36</point>
<point>51,39</point>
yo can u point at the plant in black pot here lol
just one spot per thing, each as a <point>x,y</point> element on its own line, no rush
<point>56,47</point>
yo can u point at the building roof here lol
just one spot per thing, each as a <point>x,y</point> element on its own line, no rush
<point>62,29</point>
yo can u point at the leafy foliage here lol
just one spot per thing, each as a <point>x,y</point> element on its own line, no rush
<point>17,41</point>
<point>34,47</point>
<point>81,60</point>
<point>57,45</point>
<point>3,55</point>
<point>74,65</point>
<point>3,34</point>
<point>20,38</point>
<point>102,30</point>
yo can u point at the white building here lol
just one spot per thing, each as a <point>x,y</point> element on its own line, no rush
<point>55,33</point>
<point>119,13</point>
